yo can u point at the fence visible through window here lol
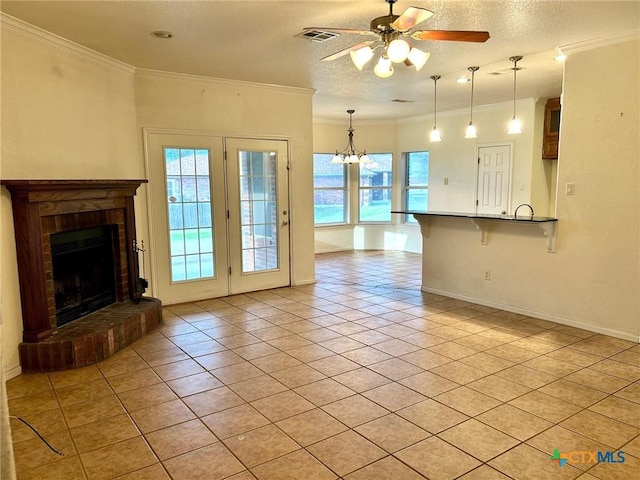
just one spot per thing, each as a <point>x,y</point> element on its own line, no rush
<point>189,210</point>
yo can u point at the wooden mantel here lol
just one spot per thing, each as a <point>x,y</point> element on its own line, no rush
<point>43,207</point>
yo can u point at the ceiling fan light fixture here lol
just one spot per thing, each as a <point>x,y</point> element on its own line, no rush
<point>383,68</point>
<point>418,58</point>
<point>361,56</point>
<point>398,50</point>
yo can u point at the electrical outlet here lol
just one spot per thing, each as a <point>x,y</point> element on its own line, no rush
<point>570,188</point>
<point>487,274</point>
<point>446,180</point>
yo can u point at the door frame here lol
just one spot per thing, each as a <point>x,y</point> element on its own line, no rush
<point>152,269</point>
<point>509,144</point>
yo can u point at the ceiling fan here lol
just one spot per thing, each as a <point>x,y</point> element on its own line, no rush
<point>390,30</point>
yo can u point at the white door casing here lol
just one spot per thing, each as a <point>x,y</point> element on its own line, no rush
<point>197,240</point>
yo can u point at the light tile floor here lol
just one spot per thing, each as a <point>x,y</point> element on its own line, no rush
<point>360,376</point>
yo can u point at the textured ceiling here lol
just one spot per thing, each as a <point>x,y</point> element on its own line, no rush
<point>255,41</point>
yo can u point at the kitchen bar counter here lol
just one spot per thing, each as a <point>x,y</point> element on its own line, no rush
<point>482,222</point>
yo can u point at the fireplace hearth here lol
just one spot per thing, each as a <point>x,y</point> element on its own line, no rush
<point>78,271</point>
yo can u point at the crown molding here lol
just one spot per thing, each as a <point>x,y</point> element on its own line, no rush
<point>627,36</point>
<point>162,75</point>
<point>465,111</point>
<point>26,29</point>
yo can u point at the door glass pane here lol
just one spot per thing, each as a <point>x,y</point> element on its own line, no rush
<point>258,211</point>
<point>189,211</point>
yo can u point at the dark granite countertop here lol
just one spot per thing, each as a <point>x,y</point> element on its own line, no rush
<point>519,218</point>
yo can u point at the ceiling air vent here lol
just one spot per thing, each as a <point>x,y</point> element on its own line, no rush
<point>317,35</point>
<point>402,100</point>
<point>505,71</point>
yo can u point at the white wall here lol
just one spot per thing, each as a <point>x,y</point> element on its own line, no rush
<point>594,278</point>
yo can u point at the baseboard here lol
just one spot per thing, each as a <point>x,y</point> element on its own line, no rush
<point>543,316</point>
<point>12,372</point>
<point>333,250</point>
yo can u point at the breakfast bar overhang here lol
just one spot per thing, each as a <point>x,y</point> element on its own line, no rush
<point>483,223</point>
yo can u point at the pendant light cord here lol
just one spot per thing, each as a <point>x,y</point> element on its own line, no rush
<point>515,60</point>
<point>473,76</point>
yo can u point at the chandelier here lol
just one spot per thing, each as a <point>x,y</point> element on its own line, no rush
<point>350,154</point>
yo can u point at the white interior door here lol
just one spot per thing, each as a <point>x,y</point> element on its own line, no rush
<point>258,192</point>
<point>494,179</point>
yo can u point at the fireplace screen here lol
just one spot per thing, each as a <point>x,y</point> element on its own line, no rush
<point>83,272</point>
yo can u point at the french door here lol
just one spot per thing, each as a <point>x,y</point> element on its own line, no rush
<point>219,223</point>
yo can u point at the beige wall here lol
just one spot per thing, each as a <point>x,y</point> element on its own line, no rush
<point>66,114</point>
<point>375,138</point>
<point>220,107</point>
<point>593,279</point>
<point>454,158</point>
<point>70,113</point>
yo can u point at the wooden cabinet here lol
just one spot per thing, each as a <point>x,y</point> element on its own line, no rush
<point>551,128</point>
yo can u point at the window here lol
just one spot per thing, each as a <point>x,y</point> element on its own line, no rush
<point>330,194</point>
<point>416,184</point>
<point>189,213</point>
<point>375,188</point>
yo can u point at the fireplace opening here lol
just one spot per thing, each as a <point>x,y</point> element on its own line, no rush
<point>83,272</point>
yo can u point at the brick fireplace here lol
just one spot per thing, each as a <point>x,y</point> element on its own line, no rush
<point>62,331</point>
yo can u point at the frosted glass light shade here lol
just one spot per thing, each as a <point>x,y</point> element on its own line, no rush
<point>434,136</point>
<point>515,126</point>
<point>352,159</point>
<point>471,131</point>
<point>418,58</point>
<point>398,50</point>
<point>383,68</point>
<point>337,159</point>
<point>365,159</point>
<point>361,56</point>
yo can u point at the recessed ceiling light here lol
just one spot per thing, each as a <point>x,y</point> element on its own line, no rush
<point>462,80</point>
<point>162,34</point>
<point>560,57</point>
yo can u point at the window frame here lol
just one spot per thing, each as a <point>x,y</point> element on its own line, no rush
<point>389,187</point>
<point>407,187</point>
<point>345,188</point>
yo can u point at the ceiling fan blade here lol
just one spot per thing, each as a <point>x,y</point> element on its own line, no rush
<point>410,18</point>
<point>340,30</point>
<point>451,35</point>
<point>344,52</point>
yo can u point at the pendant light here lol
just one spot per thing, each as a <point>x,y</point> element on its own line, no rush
<point>435,133</point>
<point>514,125</point>
<point>350,154</point>
<point>471,128</point>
